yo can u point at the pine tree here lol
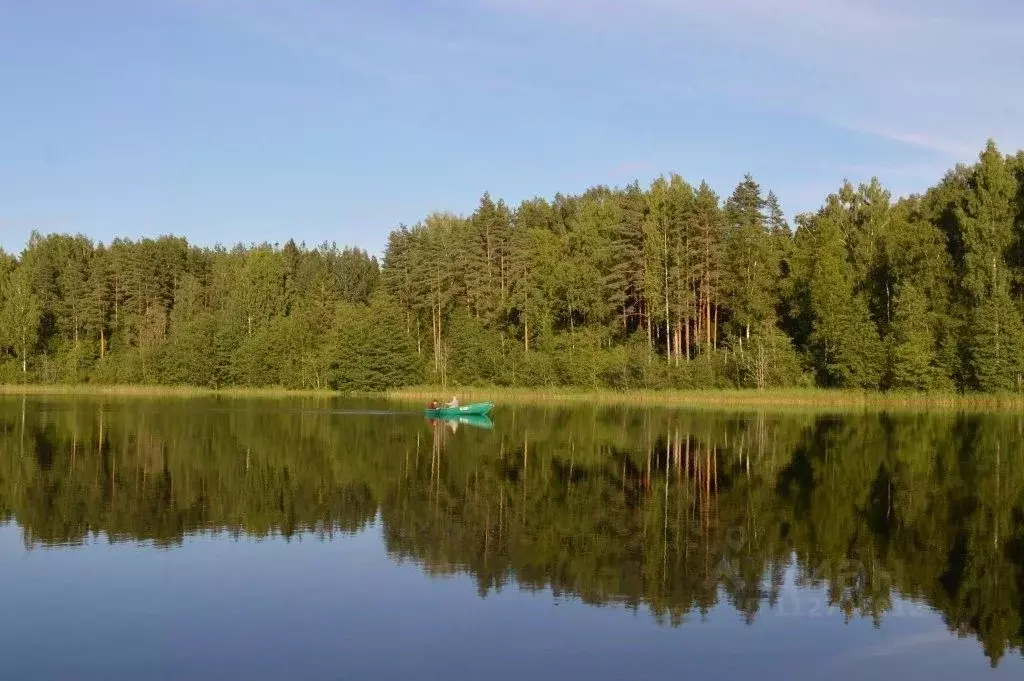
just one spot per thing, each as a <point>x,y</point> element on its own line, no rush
<point>911,344</point>
<point>1016,258</point>
<point>292,257</point>
<point>321,289</point>
<point>437,279</point>
<point>985,221</point>
<point>682,295</point>
<point>356,274</point>
<point>397,279</point>
<point>997,345</point>
<point>369,350</point>
<point>625,264</point>
<point>261,291</point>
<point>188,356</point>
<point>869,226</point>
<point>485,252</point>
<point>705,236</point>
<point>845,342</point>
<point>657,264</point>
<point>578,276</point>
<point>526,300</point>
<point>751,270</point>
<point>532,252</point>
<point>776,219</point>
<point>781,261</point>
<point>96,304</point>
<point>72,286</point>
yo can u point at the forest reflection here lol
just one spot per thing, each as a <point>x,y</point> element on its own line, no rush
<point>673,511</point>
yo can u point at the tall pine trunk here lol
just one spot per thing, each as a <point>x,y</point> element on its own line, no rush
<point>501,266</point>
<point>707,321</point>
<point>572,330</point>
<point>698,313</point>
<point>435,328</point>
<point>669,340</point>
<point>668,316</point>
<point>715,332</point>
<point>685,324</point>
<point>490,263</point>
<point>650,331</point>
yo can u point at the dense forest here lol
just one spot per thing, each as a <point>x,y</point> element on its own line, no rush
<point>672,512</point>
<point>668,286</point>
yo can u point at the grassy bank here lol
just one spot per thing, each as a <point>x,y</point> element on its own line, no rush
<point>813,398</point>
<point>157,391</point>
<point>803,398</point>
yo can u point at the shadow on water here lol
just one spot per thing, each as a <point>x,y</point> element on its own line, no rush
<point>677,512</point>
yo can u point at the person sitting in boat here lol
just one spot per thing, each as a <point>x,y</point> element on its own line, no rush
<point>454,403</point>
<point>434,404</point>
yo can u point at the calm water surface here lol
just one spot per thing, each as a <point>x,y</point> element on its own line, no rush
<point>221,539</point>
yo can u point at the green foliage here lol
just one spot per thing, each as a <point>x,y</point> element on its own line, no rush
<point>770,361</point>
<point>476,353</point>
<point>844,341</point>
<point>581,358</point>
<point>20,316</point>
<point>913,361</point>
<point>187,359</point>
<point>997,346</point>
<point>632,287</point>
<point>985,218</point>
<point>751,265</point>
<point>369,350</point>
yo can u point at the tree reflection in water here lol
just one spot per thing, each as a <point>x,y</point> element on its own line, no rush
<point>672,511</point>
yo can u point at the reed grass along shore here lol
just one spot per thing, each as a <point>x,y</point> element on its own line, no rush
<point>810,398</point>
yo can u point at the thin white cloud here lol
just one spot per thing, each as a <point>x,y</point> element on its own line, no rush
<point>408,54</point>
<point>322,30</point>
<point>949,147</point>
<point>940,76</point>
<point>935,77</point>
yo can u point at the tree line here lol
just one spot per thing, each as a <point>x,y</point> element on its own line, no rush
<point>656,509</point>
<point>663,286</point>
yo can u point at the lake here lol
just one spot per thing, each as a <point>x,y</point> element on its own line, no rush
<point>215,538</point>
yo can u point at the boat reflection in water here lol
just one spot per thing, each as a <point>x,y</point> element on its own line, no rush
<point>453,422</point>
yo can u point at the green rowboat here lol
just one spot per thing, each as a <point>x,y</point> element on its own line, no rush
<point>478,409</point>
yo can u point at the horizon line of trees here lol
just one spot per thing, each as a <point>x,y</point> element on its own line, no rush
<point>668,286</point>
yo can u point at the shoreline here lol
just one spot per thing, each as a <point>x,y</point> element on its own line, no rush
<point>93,390</point>
<point>818,399</point>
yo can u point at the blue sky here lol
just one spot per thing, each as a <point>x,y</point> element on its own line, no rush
<point>253,120</point>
